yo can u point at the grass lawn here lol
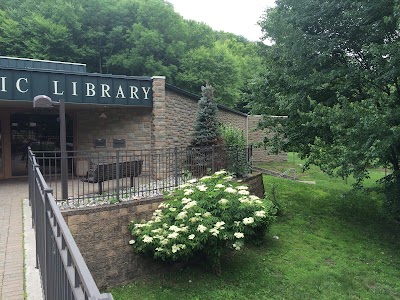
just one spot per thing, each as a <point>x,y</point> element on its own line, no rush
<point>328,243</point>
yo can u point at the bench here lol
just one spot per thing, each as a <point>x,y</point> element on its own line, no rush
<point>108,171</point>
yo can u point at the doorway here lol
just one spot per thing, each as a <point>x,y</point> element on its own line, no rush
<point>40,132</point>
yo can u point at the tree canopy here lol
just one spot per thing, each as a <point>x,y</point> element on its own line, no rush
<point>333,70</point>
<point>130,37</point>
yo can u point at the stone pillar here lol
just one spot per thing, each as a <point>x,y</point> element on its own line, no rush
<point>159,129</point>
<point>158,122</point>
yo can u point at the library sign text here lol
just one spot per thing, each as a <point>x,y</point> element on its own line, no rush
<point>82,88</point>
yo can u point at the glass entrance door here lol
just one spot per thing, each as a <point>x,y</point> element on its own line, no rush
<point>40,132</point>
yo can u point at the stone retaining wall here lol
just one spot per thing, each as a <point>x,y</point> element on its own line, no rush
<point>102,236</point>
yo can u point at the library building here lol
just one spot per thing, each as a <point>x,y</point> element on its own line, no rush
<point>100,111</point>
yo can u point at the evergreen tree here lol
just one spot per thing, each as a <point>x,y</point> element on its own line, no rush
<point>206,126</point>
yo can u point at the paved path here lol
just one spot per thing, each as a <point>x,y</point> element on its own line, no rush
<point>12,192</point>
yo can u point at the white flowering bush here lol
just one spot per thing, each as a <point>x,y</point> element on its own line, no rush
<point>205,216</point>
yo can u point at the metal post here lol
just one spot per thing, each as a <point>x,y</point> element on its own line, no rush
<point>63,146</point>
<point>117,170</point>
<point>176,165</point>
<point>212,159</point>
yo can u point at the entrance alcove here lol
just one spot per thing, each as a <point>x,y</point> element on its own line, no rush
<point>39,131</point>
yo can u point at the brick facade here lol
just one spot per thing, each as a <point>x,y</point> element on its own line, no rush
<point>169,124</point>
<point>182,110</point>
<point>131,124</point>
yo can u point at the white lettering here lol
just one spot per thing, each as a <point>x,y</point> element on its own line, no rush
<point>134,91</point>
<point>104,90</point>
<point>56,92</point>
<point>120,92</point>
<point>90,92</point>
<point>3,84</point>
<point>146,92</point>
<point>18,85</point>
<point>74,88</point>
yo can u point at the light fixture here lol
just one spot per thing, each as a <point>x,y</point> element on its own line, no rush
<point>103,114</point>
<point>43,101</point>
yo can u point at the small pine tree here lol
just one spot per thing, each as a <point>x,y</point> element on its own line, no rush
<point>206,127</point>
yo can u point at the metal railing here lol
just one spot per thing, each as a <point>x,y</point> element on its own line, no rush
<point>96,177</point>
<point>62,268</point>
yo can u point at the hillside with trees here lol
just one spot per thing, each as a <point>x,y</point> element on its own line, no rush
<point>131,37</point>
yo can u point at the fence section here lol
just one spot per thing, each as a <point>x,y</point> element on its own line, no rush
<point>62,268</point>
<point>113,176</point>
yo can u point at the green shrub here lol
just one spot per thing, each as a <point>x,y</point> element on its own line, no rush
<point>205,216</point>
<point>236,150</point>
<point>232,136</point>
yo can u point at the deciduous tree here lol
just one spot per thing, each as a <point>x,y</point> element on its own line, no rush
<point>333,70</point>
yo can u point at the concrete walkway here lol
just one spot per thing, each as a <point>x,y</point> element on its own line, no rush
<point>12,193</point>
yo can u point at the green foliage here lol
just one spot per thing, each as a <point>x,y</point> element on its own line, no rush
<point>232,136</point>
<point>130,37</point>
<point>329,243</point>
<point>236,150</point>
<point>333,71</point>
<point>206,131</point>
<point>205,216</point>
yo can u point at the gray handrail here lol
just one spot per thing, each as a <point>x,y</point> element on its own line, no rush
<point>81,282</point>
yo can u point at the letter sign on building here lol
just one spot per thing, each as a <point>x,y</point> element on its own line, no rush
<point>25,84</point>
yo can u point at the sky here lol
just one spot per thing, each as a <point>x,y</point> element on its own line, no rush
<point>235,16</point>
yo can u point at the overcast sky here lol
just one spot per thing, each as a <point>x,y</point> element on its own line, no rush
<point>236,16</point>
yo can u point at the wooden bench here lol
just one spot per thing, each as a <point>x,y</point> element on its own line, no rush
<point>108,171</point>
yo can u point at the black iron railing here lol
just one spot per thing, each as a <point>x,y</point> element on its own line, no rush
<point>112,176</point>
<point>62,268</point>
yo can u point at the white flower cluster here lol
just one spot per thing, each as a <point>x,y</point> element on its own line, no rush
<point>247,221</point>
<point>236,246</point>
<point>177,247</point>
<point>260,214</point>
<point>147,239</point>
<point>223,201</point>
<point>217,228</point>
<point>231,190</point>
<point>201,228</point>
<point>189,205</point>
<point>188,220</point>
<point>205,178</point>
<point>238,235</point>
<point>188,192</point>
<point>202,188</point>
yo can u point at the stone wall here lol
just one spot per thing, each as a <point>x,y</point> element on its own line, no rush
<point>255,136</point>
<point>102,236</point>
<point>170,123</point>
<point>181,117</point>
<point>159,131</point>
<point>130,123</point>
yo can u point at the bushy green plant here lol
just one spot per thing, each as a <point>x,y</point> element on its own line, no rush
<point>236,151</point>
<point>205,216</point>
<point>232,136</point>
